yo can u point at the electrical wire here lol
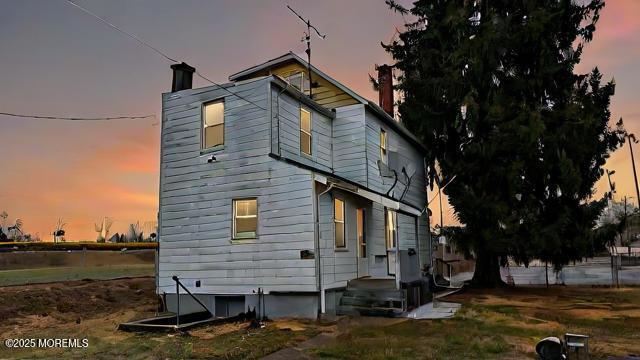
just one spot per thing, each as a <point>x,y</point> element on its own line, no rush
<point>78,118</point>
<point>156,50</point>
<point>445,185</point>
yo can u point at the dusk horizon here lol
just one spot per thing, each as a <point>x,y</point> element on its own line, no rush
<point>66,63</point>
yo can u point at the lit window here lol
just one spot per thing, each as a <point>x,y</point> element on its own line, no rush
<point>390,232</point>
<point>213,124</point>
<point>245,218</point>
<point>305,131</point>
<point>383,146</point>
<point>362,237</point>
<point>338,219</point>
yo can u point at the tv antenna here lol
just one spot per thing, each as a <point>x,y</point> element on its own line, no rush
<point>307,38</point>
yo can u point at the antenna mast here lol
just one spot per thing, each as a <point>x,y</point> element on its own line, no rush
<point>307,38</point>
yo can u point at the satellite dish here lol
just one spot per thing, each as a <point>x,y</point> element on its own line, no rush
<point>409,170</point>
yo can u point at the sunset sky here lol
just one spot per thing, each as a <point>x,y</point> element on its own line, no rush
<point>56,60</point>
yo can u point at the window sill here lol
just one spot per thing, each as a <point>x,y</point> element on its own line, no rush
<point>244,241</point>
<point>341,250</point>
<point>211,150</point>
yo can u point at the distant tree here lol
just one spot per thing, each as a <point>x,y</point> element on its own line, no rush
<point>490,88</point>
<point>15,232</point>
<point>3,219</point>
<point>59,232</point>
<point>135,233</point>
<point>102,228</point>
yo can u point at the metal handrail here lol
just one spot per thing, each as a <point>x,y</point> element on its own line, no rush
<point>178,286</point>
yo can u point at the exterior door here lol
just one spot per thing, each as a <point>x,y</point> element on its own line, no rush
<point>391,240</point>
<point>363,259</point>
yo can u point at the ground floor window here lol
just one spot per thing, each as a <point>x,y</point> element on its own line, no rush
<point>245,218</point>
<point>362,236</point>
<point>390,229</point>
<point>338,219</point>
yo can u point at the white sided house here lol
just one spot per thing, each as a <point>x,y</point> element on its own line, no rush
<point>316,203</point>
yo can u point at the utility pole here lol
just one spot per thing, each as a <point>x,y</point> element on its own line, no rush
<point>631,138</point>
<point>307,38</point>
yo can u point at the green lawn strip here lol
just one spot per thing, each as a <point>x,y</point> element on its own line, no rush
<point>431,339</point>
<point>45,275</point>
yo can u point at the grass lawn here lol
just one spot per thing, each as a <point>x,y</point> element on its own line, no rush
<point>501,324</point>
<point>44,275</point>
<point>492,324</point>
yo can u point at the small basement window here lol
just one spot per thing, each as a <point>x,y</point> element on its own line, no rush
<point>338,219</point>
<point>383,146</point>
<point>245,218</point>
<point>213,124</point>
<point>305,131</point>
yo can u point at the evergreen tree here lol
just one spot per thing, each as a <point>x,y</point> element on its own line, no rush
<point>490,88</point>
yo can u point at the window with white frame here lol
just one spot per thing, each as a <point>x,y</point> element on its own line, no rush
<point>213,124</point>
<point>245,218</point>
<point>305,131</point>
<point>383,146</point>
<point>338,219</point>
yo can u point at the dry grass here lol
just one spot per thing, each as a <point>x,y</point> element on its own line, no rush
<point>93,310</point>
<point>500,324</point>
<point>497,324</point>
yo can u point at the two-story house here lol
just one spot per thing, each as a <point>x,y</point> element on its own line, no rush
<point>265,190</point>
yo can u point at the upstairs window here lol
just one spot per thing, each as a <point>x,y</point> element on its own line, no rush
<point>383,146</point>
<point>338,219</point>
<point>245,218</point>
<point>213,124</point>
<point>297,80</point>
<point>305,131</point>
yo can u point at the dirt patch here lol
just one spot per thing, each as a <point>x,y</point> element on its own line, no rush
<point>77,299</point>
<point>93,309</point>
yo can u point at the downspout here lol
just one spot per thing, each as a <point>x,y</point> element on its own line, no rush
<point>278,115</point>
<point>322,308</point>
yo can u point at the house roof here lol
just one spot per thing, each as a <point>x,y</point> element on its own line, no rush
<point>370,105</point>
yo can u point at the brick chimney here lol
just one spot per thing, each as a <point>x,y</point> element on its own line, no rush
<point>385,88</point>
<point>182,77</point>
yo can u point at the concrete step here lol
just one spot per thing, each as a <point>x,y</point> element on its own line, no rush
<point>371,302</point>
<point>368,311</point>
<point>390,293</point>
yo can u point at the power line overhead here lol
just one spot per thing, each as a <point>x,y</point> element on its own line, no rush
<point>156,50</point>
<point>78,118</point>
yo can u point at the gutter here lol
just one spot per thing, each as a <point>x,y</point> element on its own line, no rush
<point>322,306</point>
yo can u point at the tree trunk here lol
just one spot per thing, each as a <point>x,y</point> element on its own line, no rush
<point>546,272</point>
<point>487,272</point>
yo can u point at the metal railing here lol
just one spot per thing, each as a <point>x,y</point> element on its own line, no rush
<point>178,286</point>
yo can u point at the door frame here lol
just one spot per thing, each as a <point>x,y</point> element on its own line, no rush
<point>391,240</point>
<point>362,257</point>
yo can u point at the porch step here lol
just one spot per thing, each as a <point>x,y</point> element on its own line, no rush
<point>371,297</point>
